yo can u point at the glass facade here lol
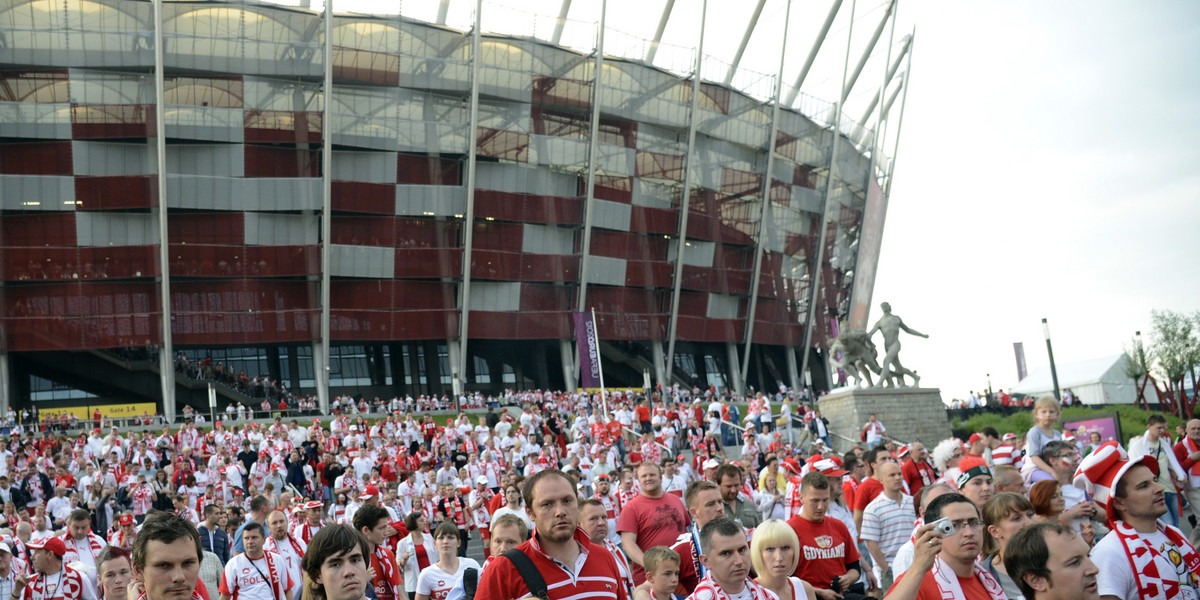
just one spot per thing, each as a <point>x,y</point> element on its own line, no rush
<point>244,111</point>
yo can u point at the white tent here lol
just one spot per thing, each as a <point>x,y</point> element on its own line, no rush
<point>1095,381</point>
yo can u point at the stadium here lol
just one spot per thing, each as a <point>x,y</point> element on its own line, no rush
<point>389,204</point>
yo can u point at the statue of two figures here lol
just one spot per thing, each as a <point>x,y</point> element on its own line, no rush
<point>855,353</point>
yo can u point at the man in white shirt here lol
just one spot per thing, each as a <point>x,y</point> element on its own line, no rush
<point>1156,444</point>
<point>283,543</point>
<point>255,574</point>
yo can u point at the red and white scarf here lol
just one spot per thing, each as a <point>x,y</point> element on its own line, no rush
<point>950,589</point>
<point>271,544</point>
<point>622,566</point>
<point>1193,448</point>
<point>708,589</point>
<point>385,566</point>
<point>277,583</point>
<point>456,505</point>
<point>306,531</point>
<point>1155,573</point>
<point>794,499</point>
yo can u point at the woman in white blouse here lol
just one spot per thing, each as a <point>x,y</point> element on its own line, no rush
<point>415,551</point>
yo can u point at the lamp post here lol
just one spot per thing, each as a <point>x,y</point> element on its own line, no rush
<point>1050,351</point>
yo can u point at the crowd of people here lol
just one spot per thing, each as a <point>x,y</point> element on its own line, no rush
<point>574,496</point>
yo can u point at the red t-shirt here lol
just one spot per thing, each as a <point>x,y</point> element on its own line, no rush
<point>656,521</point>
<point>826,549</point>
<point>917,476</point>
<point>971,587</point>
<point>867,491</point>
<point>643,413</point>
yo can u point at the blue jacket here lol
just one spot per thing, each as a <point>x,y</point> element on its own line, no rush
<point>216,541</point>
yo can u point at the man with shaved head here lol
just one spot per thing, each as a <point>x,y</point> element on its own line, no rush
<point>1187,451</point>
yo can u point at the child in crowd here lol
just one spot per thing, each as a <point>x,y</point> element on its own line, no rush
<point>1045,413</point>
<point>662,574</point>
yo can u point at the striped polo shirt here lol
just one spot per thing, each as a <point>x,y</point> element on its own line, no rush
<point>889,523</point>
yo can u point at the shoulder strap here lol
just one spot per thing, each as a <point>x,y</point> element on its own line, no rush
<point>470,583</point>
<point>528,571</point>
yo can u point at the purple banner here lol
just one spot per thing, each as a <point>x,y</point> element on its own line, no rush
<point>589,349</point>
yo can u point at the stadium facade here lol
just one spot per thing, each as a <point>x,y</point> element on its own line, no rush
<point>418,207</point>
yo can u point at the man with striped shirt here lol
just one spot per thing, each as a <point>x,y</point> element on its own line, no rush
<point>888,521</point>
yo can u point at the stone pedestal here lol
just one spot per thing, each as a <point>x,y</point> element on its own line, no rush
<point>909,414</point>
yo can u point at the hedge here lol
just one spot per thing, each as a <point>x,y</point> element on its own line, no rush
<point>1133,421</point>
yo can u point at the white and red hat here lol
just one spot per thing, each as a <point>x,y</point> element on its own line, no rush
<point>1101,470</point>
<point>370,492</point>
<point>828,468</point>
<point>902,452</point>
<point>314,504</point>
<point>1009,437</point>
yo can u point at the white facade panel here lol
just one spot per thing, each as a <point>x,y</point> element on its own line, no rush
<point>372,167</point>
<point>496,296</point>
<point>362,261</point>
<point>37,192</point>
<point>105,158</point>
<point>722,306</point>
<point>556,151</point>
<point>115,229</point>
<point>524,180</point>
<point>430,200</point>
<point>696,253</point>
<point>547,239</point>
<point>611,215</point>
<point>604,270</point>
<point>265,229</point>
<point>225,160</point>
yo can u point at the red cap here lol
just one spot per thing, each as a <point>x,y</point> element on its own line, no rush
<point>53,544</point>
<point>974,438</point>
<point>370,492</point>
<point>314,504</point>
<point>126,519</point>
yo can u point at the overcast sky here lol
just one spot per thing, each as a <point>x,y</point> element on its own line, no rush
<point>1049,164</point>
<point>1048,167</point>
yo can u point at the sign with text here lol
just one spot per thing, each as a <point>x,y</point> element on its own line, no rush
<point>589,349</point>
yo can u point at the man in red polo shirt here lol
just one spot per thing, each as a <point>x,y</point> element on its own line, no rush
<point>571,565</point>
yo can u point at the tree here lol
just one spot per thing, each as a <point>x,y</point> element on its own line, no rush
<point>1175,354</point>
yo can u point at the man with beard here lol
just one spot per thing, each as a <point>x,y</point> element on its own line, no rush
<point>570,564</point>
<point>653,518</point>
<point>1141,557</point>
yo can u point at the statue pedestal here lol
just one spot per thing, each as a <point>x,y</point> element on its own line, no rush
<point>909,414</point>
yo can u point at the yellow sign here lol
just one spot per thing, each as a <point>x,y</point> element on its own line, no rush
<point>116,411</point>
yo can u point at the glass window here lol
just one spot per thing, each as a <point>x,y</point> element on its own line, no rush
<point>305,358</point>
<point>482,375</point>
<point>41,389</point>
<point>508,375</point>
<point>444,363</point>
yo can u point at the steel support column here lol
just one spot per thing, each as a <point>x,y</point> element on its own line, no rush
<point>816,47</point>
<point>321,345</point>
<point>658,33</point>
<point>562,21</point>
<point>469,217</point>
<point>887,79</point>
<point>862,61</point>
<point>589,200</point>
<point>6,384</point>
<point>166,358</point>
<point>687,193</point>
<point>815,281</point>
<point>737,57</point>
<point>764,222</point>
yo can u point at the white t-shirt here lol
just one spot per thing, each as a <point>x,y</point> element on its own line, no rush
<point>1116,576</point>
<point>436,583</point>
<point>243,578</point>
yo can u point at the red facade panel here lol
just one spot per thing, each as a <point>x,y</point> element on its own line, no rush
<point>364,66</point>
<point>516,266</point>
<point>363,197</point>
<point>704,227</point>
<point>47,229</point>
<point>648,273</point>
<point>421,169</point>
<point>542,298</point>
<point>282,126</point>
<point>108,121</point>
<point>491,235</point>
<point>36,158</point>
<point>778,334</point>
<point>615,300</point>
<point>244,312</point>
<point>662,221</point>
<point>631,246</point>
<point>428,263</point>
<point>390,295</point>
<point>611,188</point>
<point>115,192</point>
<point>374,325</point>
<point>739,183</point>
<point>237,261</point>
<point>268,161</point>
<point>502,144</point>
<point>528,208</point>
<point>718,281</point>
<point>489,325</point>
<point>71,264</point>
<point>425,325</point>
<point>702,329</point>
<point>631,326</point>
<point>803,176</point>
<point>81,315</point>
<point>207,228</point>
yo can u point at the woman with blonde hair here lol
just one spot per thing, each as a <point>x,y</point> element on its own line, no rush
<point>775,552</point>
<point>1004,515</point>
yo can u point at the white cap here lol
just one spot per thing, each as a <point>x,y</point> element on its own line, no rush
<point>481,479</point>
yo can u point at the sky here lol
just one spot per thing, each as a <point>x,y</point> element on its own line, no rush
<point>1047,164</point>
<point>1047,169</point>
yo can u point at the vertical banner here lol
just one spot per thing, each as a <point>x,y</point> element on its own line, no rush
<point>1019,351</point>
<point>589,349</point>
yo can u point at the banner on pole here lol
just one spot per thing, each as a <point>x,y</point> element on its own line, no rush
<point>589,349</point>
